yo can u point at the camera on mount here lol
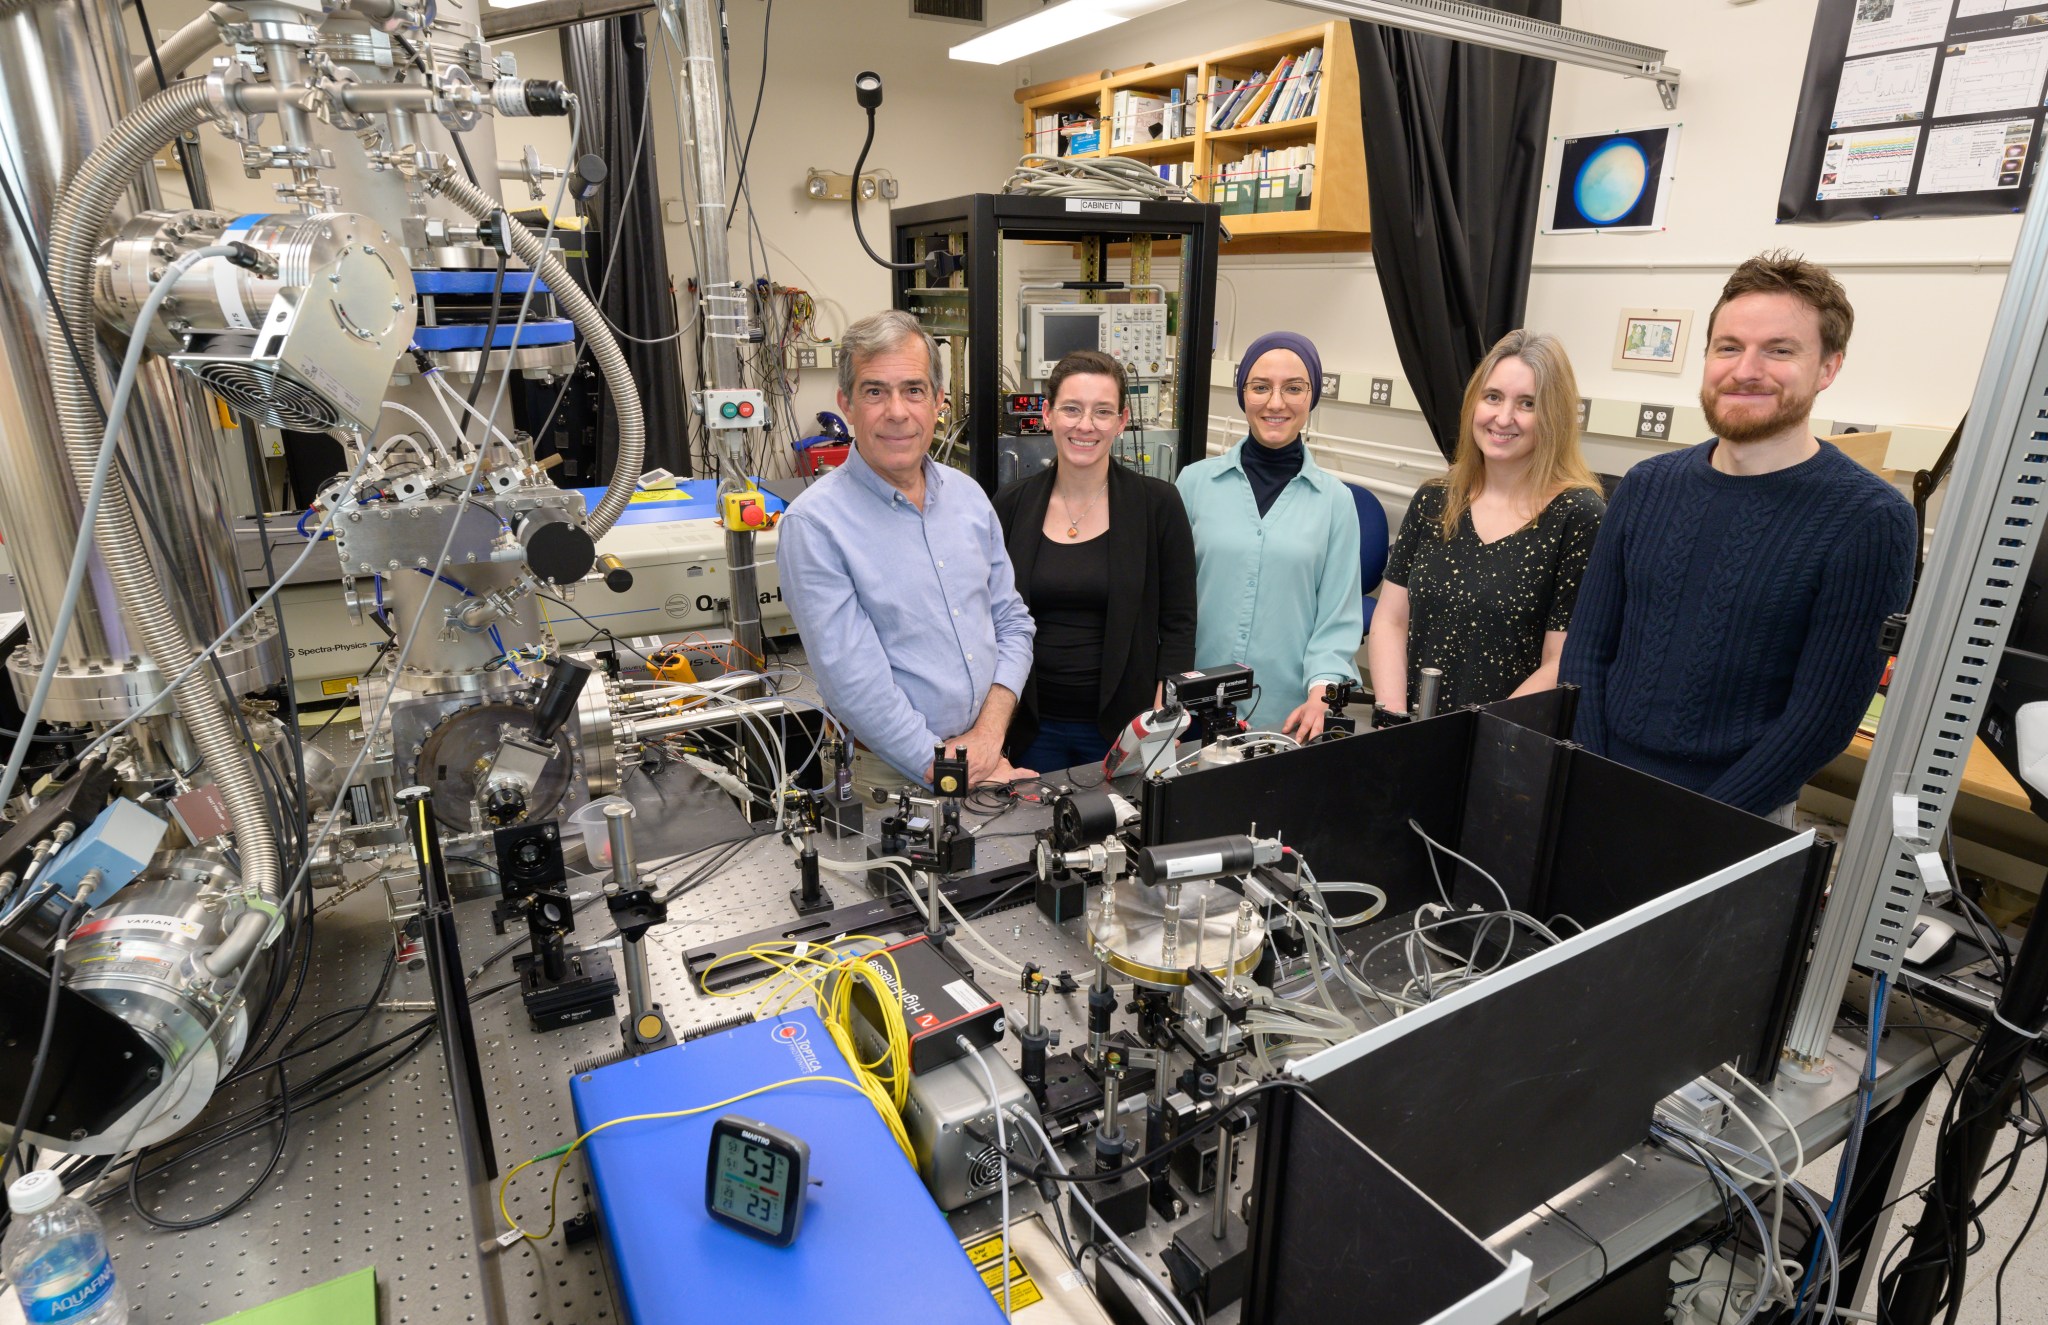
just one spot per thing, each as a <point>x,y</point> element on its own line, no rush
<point>1211,696</point>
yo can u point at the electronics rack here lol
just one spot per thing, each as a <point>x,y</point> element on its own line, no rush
<point>968,312</point>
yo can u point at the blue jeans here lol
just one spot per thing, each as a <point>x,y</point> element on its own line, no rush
<point>1062,745</point>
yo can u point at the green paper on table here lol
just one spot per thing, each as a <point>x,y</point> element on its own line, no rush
<point>349,1300</point>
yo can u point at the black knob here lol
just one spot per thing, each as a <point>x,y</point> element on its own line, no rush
<point>617,577</point>
<point>587,176</point>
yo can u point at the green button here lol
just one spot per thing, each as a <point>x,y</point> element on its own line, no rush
<point>729,409</point>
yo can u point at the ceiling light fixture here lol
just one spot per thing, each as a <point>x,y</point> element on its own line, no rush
<point>1052,26</point>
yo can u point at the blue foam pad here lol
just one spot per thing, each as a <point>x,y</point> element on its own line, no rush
<point>470,336</point>
<point>872,1246</point>
<point>472,282</point>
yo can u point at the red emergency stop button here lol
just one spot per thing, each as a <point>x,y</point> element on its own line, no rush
<point>746,409</point>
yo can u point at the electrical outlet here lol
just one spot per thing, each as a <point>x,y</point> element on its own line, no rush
<point>1585,413</point>
<point>830,186</point>
<point>1382,393</point>
<point>1330,381</point>
<point>1841,427</point>
<point>1654,422</point>
<point>798,357</point>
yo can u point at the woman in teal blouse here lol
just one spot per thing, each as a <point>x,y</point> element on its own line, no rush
<point>1276,546</point>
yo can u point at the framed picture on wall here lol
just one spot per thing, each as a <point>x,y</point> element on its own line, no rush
<point>1652,340</point>
<point>1610,181</point>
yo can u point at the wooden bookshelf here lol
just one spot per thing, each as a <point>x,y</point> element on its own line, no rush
<point>1337,217</point>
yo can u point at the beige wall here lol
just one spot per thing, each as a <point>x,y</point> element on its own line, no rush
<point>1741,67</point>
<point>944,129</point>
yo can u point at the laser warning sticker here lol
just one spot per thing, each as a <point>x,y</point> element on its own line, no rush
<point>987,1256</point>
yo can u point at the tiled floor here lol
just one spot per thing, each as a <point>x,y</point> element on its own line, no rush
<point>2026,1282</point>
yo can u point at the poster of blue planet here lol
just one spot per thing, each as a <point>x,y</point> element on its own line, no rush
<point>1611,181</point>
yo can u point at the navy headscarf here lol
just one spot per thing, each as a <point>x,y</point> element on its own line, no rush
<point>1269,468</point>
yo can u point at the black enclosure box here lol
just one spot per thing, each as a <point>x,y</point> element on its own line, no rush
<point>1496,1096</point>
<point>1563,831</point>
<point>1338,1235</point>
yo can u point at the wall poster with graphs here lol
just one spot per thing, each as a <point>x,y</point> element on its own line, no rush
<point>1917,108</point>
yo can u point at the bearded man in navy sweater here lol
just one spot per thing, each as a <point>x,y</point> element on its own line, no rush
<point>1726,632</point>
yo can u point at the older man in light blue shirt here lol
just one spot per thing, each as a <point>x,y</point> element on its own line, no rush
<point>895,570</point>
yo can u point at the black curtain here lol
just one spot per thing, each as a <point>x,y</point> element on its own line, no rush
<point>605,63</point>
<point>1454,139</point>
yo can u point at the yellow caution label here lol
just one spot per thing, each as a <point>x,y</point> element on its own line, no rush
<point>338,685</point>
<point>1023,1290</point>
<point>657,495</point>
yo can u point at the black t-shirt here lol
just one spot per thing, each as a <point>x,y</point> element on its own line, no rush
<point>1070,603</point>
<point>1479,611</point>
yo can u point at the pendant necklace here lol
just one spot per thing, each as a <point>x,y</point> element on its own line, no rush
<point>1074,517</point>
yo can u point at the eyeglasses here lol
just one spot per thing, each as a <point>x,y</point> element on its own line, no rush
<point>1263,390</point>
<point>1103,415</point>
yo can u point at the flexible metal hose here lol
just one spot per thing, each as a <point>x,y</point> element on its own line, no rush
<point>184,46</point>
<point>81,216</point>
<point>597,336</point>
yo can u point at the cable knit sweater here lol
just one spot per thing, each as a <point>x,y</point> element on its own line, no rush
<point>1725,637</point>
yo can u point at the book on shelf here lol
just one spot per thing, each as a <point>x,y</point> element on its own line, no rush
<point>1256,92</point>
<point>1300,80</point>
<point>1272,179</point>
<point>1269,96</point>
<point>1224,109</point>
<point>1176,172</point>
<point>1045,135</point>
